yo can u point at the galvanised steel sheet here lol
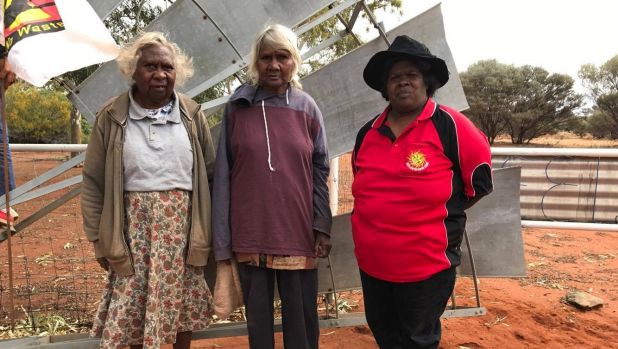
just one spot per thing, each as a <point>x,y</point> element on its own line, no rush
<point>494,230</point>
<point>348,103</point>
<point>214,57</point>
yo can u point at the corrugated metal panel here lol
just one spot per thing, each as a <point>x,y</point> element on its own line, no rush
<point>580,189</point>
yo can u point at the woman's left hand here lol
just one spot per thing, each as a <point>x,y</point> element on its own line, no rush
<point>322,244</point>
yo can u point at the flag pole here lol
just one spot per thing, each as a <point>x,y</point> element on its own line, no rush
<point>7,197</point>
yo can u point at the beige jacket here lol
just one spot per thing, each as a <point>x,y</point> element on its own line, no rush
<point>102,188</point>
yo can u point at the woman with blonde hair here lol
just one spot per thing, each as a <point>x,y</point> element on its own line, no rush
<point>146,202</point>
<point>270,199</point>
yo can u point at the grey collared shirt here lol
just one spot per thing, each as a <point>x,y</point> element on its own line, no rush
<point>157,152</point>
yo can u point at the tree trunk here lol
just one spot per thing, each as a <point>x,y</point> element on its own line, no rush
<point>76,128</point>
<point>76,118</point>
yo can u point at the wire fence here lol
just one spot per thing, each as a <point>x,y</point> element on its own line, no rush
<point>56,281</point>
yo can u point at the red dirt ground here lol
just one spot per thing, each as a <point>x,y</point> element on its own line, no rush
<point>521,313</point>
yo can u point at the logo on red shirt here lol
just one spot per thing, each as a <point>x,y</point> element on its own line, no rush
<point>416,161</point>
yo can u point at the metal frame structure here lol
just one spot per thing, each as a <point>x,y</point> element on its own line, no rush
<point>238,62</point>
<point>223,61</point>
<point>312,83</point>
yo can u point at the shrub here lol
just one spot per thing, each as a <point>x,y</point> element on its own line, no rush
<point>37,115</point>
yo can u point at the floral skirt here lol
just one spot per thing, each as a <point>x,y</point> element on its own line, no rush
<point>164,296</point>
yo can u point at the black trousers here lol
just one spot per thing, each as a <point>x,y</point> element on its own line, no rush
<point>298,290</point>
<point>407,315</point>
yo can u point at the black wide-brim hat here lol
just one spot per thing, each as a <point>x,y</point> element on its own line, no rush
<point>403,47</point>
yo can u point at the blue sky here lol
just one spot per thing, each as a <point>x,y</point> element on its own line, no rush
<point>559,36</point>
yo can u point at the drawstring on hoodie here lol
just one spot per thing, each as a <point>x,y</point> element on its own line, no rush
<point>270,166</point>
<point>287,101</point>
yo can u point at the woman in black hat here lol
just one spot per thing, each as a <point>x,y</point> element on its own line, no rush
<point>417,167</point>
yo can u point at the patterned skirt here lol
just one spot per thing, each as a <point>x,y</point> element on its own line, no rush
<point>164,296</point>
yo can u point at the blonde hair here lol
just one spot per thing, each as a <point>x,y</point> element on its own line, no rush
<point>277,37</point>
<point>130,54</point>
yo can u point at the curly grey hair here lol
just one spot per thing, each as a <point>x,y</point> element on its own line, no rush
<point>130,54</point>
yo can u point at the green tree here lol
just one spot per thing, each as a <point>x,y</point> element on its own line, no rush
<point>37,115</point>
<point>578,125</point>
<point>490,89</point>
<point>334,25</point>
<point>131,17</point>
<point>545,104</point>
<point>86,130</point>
<point>601,125</point>
<point>602,85</point>
<point>524,102</point>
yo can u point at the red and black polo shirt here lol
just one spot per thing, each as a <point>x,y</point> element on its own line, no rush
<point>410,192</point>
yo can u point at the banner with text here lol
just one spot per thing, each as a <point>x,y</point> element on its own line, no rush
<point>46,38</point>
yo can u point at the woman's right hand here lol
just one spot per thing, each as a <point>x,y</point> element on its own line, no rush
<point>7,76</point>
<point>103,263</point>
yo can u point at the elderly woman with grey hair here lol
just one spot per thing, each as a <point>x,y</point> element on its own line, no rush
<point>270,198</point>
<point>146,202</point>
